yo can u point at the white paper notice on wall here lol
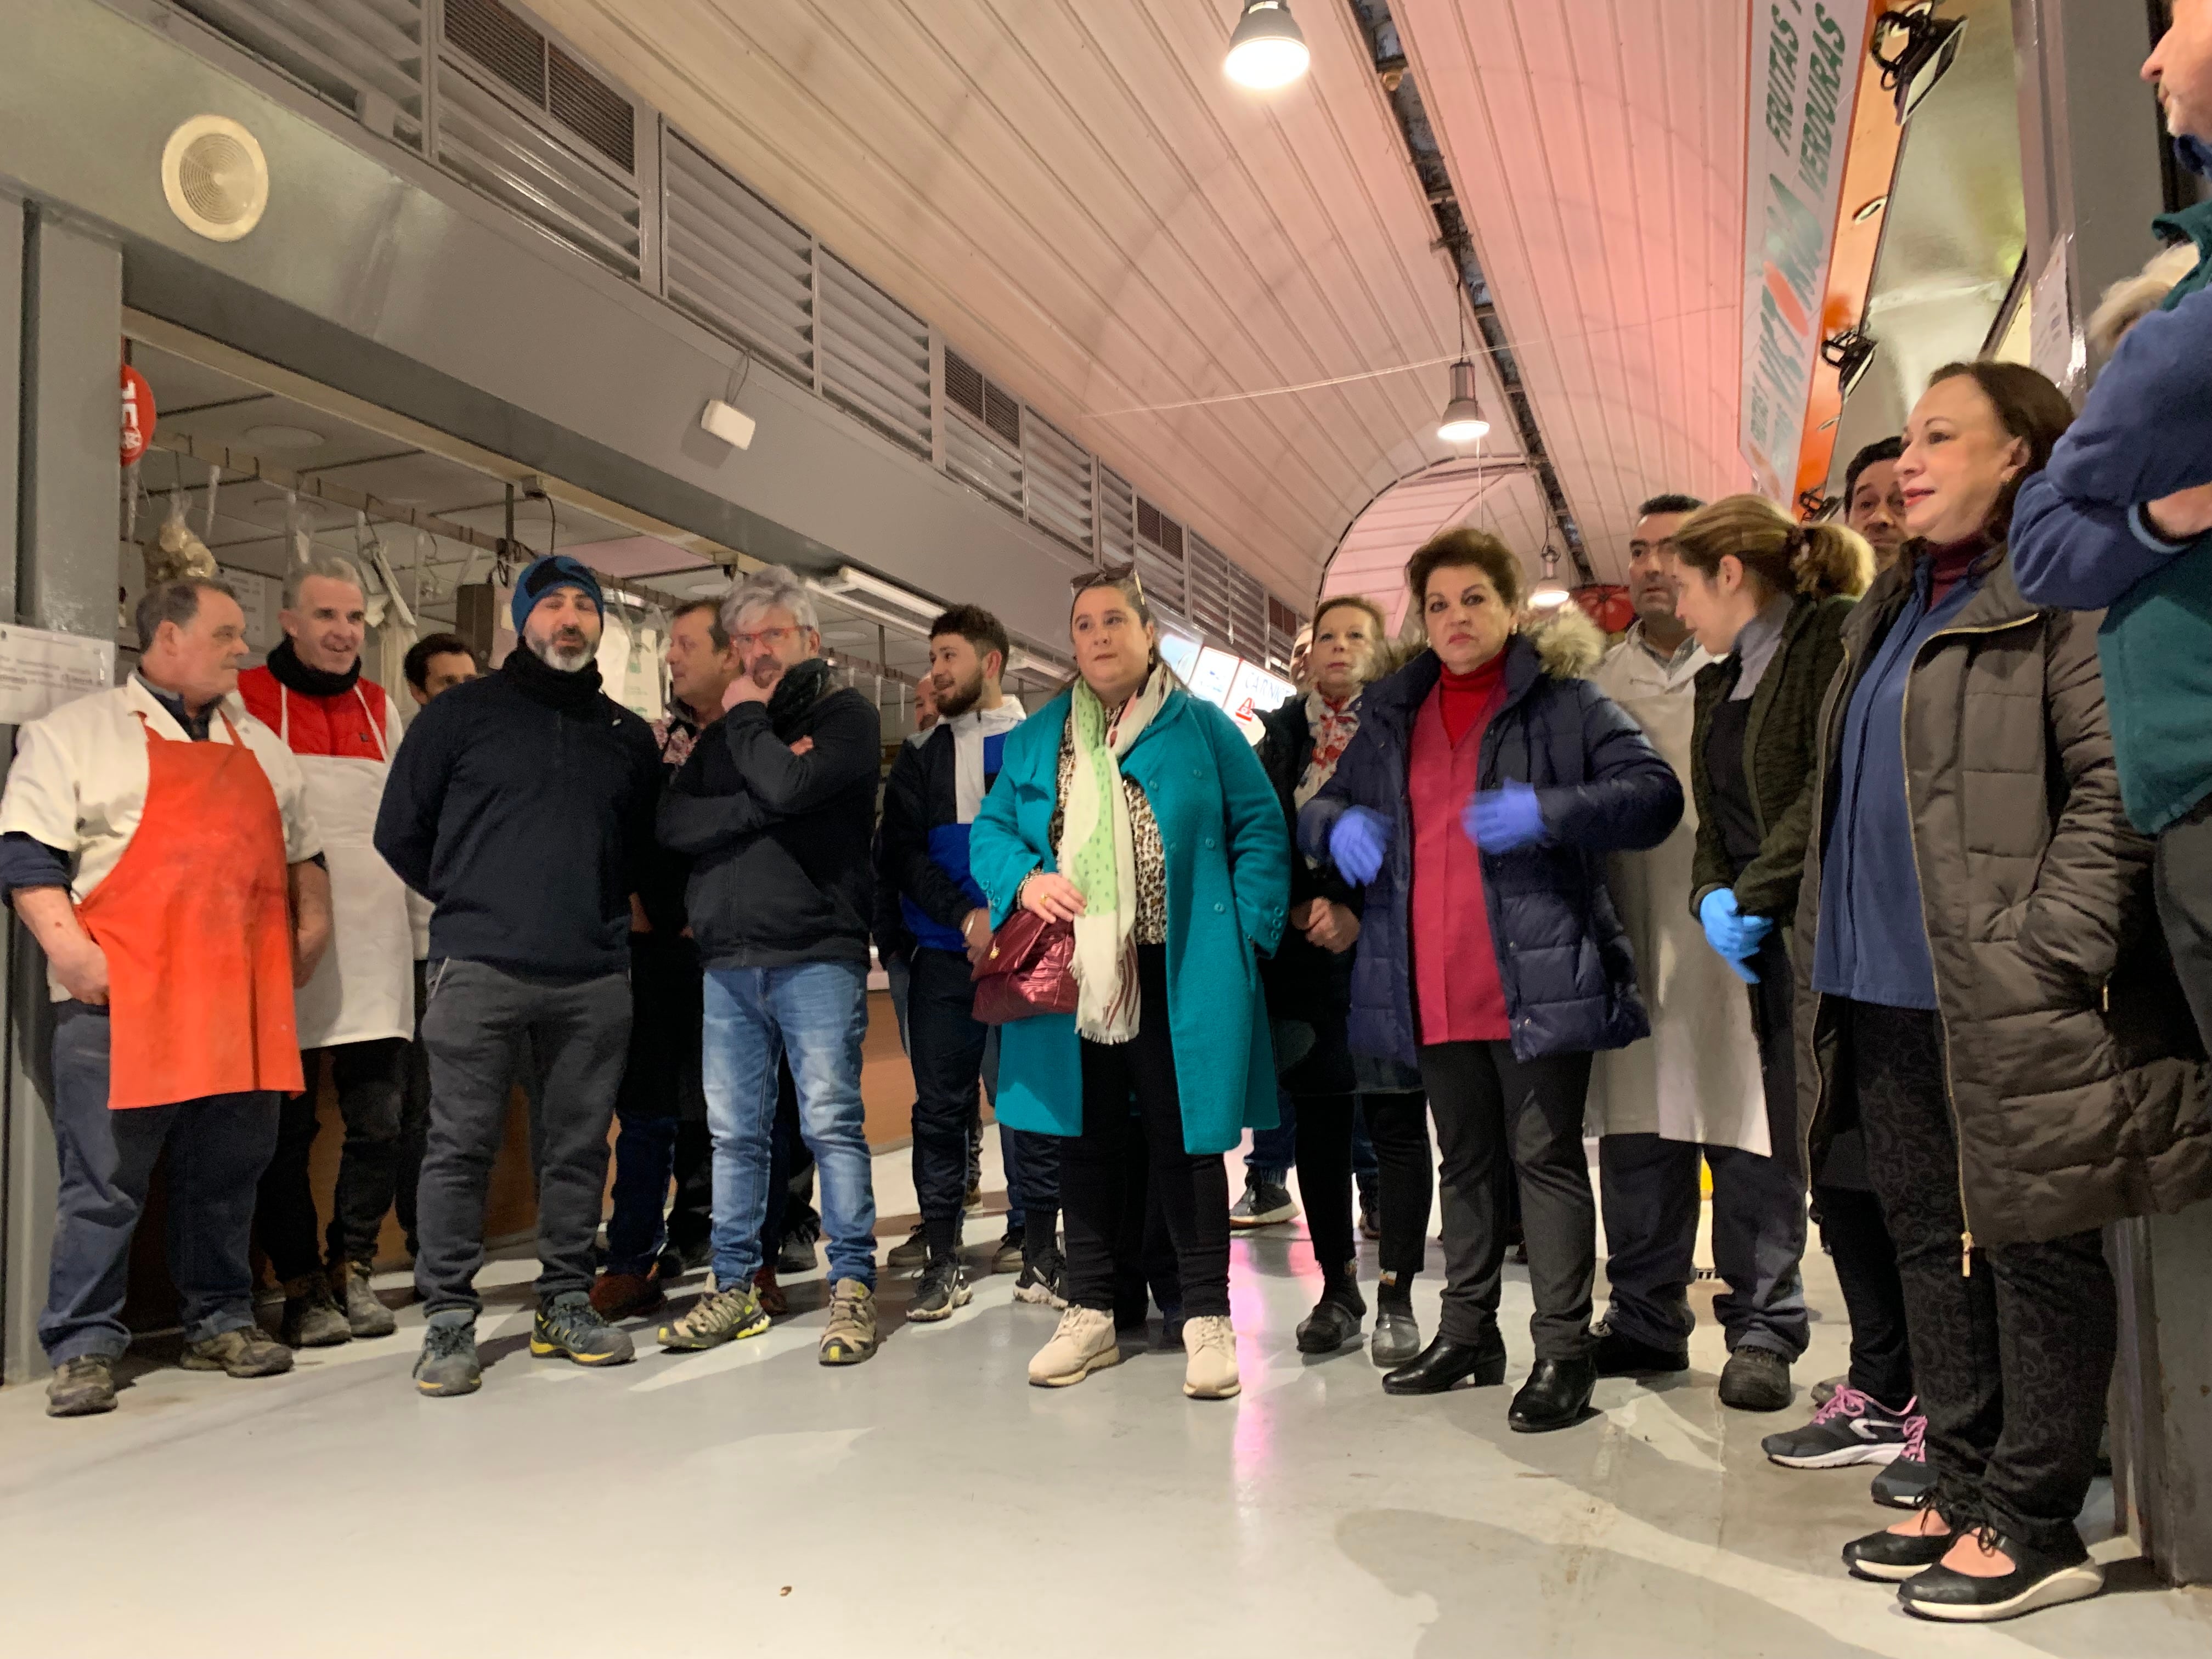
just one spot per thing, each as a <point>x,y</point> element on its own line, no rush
<point>2055,346</point>
<point>40,670</point>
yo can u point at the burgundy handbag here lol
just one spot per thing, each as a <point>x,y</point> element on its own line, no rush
<point>1028,970</point>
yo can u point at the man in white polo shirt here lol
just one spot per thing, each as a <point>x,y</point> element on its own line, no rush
<point>156,840</point>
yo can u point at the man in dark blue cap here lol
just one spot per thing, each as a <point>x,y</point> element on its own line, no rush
<point>521,806</point>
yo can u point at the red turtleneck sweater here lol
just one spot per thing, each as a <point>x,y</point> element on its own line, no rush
<point>1455,982</point>
<point>1948,563</point>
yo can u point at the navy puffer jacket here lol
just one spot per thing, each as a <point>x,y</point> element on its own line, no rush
<point>1563,958</point>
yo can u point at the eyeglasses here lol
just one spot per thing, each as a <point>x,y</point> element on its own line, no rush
<point>1109,576</point>
<point>767,637</point>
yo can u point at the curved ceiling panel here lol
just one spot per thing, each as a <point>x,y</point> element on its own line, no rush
<point>1371,559</point>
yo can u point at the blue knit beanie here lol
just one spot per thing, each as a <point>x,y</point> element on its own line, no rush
<point>542,575</point>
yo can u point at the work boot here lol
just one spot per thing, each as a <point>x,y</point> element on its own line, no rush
<point>570,1327</point>
<point>448,1365</point>
<point>850,1336</point>
<point>942,1287</point>
<point>245,1352</point>
<point>1084,1343</point>
<point>725,1316</point>
<point>82,1387</point>
<point>366,1315</point>
<point>1210,1371</point>
<point>312,1318</point>
<point>626,1295</point>
<point>1755,1380</point>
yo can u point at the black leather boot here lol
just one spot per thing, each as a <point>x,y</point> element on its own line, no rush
<point>1445,1364</point>
<point>1555,1396</point>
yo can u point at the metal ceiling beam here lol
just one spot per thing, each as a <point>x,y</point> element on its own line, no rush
<point>1380,30</point>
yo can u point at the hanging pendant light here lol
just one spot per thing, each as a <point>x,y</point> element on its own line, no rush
<point>1550,593</point>
<point>1266,51</point>
<point>1462,421</point>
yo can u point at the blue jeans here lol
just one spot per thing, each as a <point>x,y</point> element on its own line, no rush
<point>1275,1151</point>
<point>816,1014</point>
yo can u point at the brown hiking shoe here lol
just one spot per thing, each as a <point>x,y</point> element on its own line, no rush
<point>773,1301</point>
<point>626,1295</point>
<point>245,1352</point>
<point>84,1386</point>
<point>366,1315</point>
<point>312,1318</point>
<point>850,1337</point>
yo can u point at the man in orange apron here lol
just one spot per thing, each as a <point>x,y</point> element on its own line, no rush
<point>156,839</point>
<point>360,1005</point>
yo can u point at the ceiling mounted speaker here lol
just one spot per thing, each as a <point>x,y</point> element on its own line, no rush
<point>215,177</point>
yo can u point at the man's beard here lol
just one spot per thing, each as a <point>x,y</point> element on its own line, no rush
<point>951,705</point>
<point>568,651</point>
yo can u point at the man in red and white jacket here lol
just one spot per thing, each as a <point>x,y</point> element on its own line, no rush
<point>360,1005</point>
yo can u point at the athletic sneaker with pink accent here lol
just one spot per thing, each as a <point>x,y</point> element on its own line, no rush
<point>1851,1428</point>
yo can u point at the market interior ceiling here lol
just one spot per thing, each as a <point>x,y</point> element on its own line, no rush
<point>248,433</point>
<point>1091,212</point>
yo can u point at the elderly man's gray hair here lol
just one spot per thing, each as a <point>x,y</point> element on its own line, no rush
<point>771,587</point>
<point>319,563</point>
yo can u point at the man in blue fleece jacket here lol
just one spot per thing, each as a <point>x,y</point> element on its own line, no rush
<point>2121,520</point>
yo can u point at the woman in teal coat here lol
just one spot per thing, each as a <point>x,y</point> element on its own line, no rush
<point>1139,813</point>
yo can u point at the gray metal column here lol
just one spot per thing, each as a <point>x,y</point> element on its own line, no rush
<point>2089,152</point>
<point>67,283</point>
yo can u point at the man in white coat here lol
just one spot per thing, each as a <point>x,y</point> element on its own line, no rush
<point>360,1005</point>
<point>1691,1091</point>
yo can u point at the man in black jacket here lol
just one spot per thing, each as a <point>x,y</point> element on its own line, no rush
<point>935,789</point>
<point>521,806</point>
<point>776,808</point>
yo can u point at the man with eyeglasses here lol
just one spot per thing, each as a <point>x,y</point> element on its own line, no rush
<point>776,808</point>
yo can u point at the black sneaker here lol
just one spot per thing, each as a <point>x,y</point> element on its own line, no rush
<point>1044,1279</point>
<point>907,1256</point>
<point>1851,1428</point>
<point>448,1364</point>
<point>1755,1380</point>
<point>2039,1578</point>
<point>942,1287</point>
<point>1616,1353</point>
<point>1267,1202</point>
<point>570,1327</point>
<point>797,1256</point>
<point>1012,1253</point>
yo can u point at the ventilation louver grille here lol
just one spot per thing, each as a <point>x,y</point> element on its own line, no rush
<point>964,384</point>
<point>544,77</point>
<point>485,140</point>
<point>1160,558</point>
<point>736,263</point>
<point>1057,469</point>
<point>365,56</point>
<point>1117,519</point>
<point>875,355</point>
<point>1211,605</point>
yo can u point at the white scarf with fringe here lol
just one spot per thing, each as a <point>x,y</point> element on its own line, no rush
<point>1097,852</point>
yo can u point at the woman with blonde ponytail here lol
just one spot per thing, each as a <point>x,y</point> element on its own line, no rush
<point>1767,597</point>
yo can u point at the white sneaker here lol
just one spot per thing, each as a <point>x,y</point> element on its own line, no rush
<point>1211,1343</point>
<point>1084,1343</point>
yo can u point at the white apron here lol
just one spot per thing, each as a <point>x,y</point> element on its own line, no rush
<point>364,988</point>
<point>1696,1077</point>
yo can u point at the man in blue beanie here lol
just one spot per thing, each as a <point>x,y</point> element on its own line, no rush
<point>2121,521</point>
<point>521,806</point>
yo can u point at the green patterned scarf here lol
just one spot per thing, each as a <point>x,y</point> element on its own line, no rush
<point>1097,852</point>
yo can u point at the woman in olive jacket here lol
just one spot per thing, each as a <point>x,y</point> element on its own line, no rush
<point>1981,986</point>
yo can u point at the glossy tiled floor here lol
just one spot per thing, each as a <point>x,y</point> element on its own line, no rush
<point>749,1502</point>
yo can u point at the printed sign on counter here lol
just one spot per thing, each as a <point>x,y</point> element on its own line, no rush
<point>40,670</point>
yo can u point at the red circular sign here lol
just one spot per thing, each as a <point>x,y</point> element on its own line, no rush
<point>138,415</point>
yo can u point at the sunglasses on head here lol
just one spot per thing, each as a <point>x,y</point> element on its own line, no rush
<point>1109,576</point>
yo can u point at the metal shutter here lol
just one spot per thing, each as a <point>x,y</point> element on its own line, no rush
<point>976,453</point>
<point>1117,519</point>
<point>1057,469</point>
<point>353,52</point>
<point>1248,613</point>
<point>875,355</point>
<point>1211,605</point>
<point>736,263</point>
<point>1159,557</point>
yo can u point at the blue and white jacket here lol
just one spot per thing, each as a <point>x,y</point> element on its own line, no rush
<point>936,787</point>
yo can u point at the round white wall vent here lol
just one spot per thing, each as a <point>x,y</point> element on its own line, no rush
<point>215,177</point>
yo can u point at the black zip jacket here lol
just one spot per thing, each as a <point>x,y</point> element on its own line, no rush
<point>521,805</point>
<point>780,842</point>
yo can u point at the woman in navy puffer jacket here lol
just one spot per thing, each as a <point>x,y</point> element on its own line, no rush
<point>1486,784</point>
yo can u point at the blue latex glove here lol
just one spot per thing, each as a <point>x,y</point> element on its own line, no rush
<point>1504,820</point>
<point>1735,936</point>
<point>1358,843</point>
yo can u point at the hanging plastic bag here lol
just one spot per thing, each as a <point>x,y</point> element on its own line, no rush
<point>174,552</point>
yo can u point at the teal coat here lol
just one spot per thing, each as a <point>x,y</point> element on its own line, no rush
<point>1229,891</point>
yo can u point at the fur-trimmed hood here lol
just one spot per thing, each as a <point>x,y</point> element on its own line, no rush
<point>1568,643</point>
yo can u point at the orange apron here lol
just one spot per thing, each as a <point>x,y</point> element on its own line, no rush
<point>197,931</point>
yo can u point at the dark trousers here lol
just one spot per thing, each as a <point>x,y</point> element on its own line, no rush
<point>1865,1260</point>
<point>215,1149</point>
<point>414,1122</point>
<point>1129,1090</point>
<point>1145,1265</point>
<point>2182,877</point>
<point>1398,1124</point>
<point>371,1078</point>
<point>663,1112</point>
<point>477,1026</point>
<point>946,1041</point>
<point>1491,1109</point>
<point>2014,1356</point>
<point>1324,1160</point>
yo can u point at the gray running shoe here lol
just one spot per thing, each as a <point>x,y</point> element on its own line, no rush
<point>82,1387</point>
<point>1267,1202</point>
<point>570,1327</point>
<point>245,1352</point>
<point>448,1365</point>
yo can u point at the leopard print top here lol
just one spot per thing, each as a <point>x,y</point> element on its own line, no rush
<point>1144,831</point>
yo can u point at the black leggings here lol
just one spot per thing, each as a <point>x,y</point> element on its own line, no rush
<point>1866,1270</point>
<point>1130,1089</point>
<point>2013,1357</point>
<point>1398,1124</point>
